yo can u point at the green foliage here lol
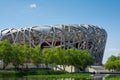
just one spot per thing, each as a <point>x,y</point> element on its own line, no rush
<point>36,56</point>
<point>27,51</point>
<point>5,52</point>
<point>19,54</point>
<point>113,63</point>
<point>18,57</point>
<point>78,58</point>
<point>47,56</point>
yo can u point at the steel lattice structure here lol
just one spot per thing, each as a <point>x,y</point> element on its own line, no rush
<point>80,36</point>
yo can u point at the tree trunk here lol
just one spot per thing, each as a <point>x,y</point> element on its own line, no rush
<point>71,68</point>
<point>64,67</point>
<point>26,65</point>
<point>5,65</point>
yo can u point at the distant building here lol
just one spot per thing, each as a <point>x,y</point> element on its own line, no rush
<point>96,69</point>
<point>80,36</point>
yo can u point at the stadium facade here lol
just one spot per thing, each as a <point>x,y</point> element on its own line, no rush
<point>80,36</point>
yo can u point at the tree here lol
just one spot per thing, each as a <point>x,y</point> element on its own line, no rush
<point>46,56</point>
<point>5,52</point>
<point>18,56</point>
<point>112,58</point>
<point>36,56</point>
<point>81,58</point>
<point>61,57</point>
<point>27,51</point>
<point>55,58</point>
<point>71,57</point>
<point>113,63</point>
<point>65,57</point>
<point>87,59</point>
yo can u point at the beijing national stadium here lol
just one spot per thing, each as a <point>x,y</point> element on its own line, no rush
<point>80,36</point>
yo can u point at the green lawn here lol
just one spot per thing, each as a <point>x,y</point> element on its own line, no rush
<point>43,74</point>
<point>113,78</point>
<point>67,75</point>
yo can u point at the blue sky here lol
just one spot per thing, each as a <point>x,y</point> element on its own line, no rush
<point>27,13</point>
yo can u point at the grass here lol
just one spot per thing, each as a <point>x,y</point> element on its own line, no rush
<point>67,75</point>
<point>28,72</point>
<point>8,73</point>
<point>113,78</point>
<point>43,74</point>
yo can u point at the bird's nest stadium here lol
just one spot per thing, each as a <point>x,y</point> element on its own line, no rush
<point>80,36</point>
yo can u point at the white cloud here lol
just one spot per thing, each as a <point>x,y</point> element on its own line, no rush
<point>33,6</point>
<point>114,50</point>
